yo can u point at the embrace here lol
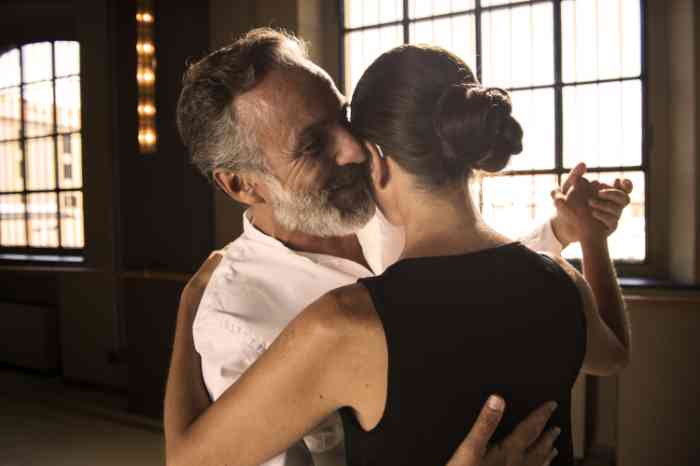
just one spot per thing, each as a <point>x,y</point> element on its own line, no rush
<point>366,302</point>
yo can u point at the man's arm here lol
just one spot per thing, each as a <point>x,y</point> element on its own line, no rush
<point>186,396</point>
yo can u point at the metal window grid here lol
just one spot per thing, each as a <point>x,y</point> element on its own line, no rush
<point>558,85</point>
<point>29,250</point>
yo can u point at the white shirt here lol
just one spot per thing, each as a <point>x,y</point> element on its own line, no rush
<point>260,285</point>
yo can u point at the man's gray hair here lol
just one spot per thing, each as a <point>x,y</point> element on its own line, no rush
<point>216,137</point>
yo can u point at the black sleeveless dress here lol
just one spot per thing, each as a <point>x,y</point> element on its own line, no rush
<point>504,320</point>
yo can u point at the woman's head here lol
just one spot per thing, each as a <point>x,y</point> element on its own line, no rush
<point>423,106</point>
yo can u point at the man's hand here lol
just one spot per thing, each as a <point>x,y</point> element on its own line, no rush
<point>606,205</point>
<point>525,446</point>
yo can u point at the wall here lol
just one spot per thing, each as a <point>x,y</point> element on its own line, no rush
<point>682,96</point>
<point>658,414</point>
<point>146,216</point>
<point>166,207</point>
<point>82,297</point>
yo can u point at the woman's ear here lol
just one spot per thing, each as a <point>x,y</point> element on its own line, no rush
<point>379,168</point>
<point>242,188</point>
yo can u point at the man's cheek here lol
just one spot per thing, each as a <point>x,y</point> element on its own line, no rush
<point>304,177</point>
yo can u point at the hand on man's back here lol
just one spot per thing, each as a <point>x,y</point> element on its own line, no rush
<point>525,446</point>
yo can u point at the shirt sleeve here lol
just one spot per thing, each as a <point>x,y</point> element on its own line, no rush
<point>543,239</point>
<point>228,347</point>
<point>227,350</point>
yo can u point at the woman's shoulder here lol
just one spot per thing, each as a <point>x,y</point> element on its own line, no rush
<point>560,265</point>
<point>346,315</point>
<point>350,309</point>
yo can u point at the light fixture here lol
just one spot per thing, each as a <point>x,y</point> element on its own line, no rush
<point>146,77</point>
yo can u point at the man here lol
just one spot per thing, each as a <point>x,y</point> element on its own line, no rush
<point>269,127</point>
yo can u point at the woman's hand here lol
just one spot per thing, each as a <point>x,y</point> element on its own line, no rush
<point>574,220</point>
<point>589,228</point>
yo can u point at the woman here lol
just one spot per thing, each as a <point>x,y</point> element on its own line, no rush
<point>398,354</point>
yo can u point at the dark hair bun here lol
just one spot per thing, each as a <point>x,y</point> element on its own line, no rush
<point>475,128</point>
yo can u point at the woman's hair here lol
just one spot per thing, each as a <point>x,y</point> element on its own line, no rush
<point>425,108</point>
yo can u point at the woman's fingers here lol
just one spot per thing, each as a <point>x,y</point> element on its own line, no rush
<point>609,220</point>
<point>615,195</point>
<point>626,185</point>
<point>606,206</point>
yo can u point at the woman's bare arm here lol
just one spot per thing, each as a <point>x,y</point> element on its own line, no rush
<point>313,368</point>
<point>605,352</point>
<point>608,346</point>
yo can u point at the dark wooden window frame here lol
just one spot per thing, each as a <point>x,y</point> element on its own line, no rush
<point>37,253</point>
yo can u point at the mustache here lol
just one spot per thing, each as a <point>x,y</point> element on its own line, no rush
<point>355,175</point>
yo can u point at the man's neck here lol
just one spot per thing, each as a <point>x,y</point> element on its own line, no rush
<point>346,247</point>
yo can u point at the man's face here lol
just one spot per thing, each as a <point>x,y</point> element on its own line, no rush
<point>317,176</point>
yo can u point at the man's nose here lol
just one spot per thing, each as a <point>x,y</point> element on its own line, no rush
<point>348,149</point>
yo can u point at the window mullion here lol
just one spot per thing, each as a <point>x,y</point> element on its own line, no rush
<point>558,93</point>
<point>55,145</point>
<point>477,27</point>
<point>23,141</point>
<point>406,37</point>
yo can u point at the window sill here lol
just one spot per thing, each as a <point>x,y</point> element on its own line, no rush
<point>42,258</point>
<point>41,262</point>
<point>633,284</point>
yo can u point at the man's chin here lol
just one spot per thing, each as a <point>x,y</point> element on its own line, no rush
<point>359,217</point>
<point>335,221</point>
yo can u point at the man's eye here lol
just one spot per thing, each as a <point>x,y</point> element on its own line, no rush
<point>313,147</point>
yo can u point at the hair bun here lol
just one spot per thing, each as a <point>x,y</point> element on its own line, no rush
<point>475,128</point>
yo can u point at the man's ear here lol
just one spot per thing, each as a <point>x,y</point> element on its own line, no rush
<point>379,168</point>
<point>238,186</point>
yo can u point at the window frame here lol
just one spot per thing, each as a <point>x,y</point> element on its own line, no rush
<point>644,268</point>
<point>42,254</point>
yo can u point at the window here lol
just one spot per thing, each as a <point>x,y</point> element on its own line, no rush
<point>574,69</point>
<point>41,197</point>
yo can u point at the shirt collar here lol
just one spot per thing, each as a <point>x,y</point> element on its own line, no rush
<point>254,234</point>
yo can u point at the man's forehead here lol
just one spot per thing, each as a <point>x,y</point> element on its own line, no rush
<point>298,88</point>
<point>290,99</point>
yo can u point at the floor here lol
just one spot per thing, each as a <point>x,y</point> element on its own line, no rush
<point>46,422</point>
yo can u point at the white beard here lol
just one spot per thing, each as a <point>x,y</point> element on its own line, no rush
<point>314,214</point>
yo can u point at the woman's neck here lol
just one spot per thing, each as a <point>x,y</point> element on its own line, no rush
<point>443,225</point>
